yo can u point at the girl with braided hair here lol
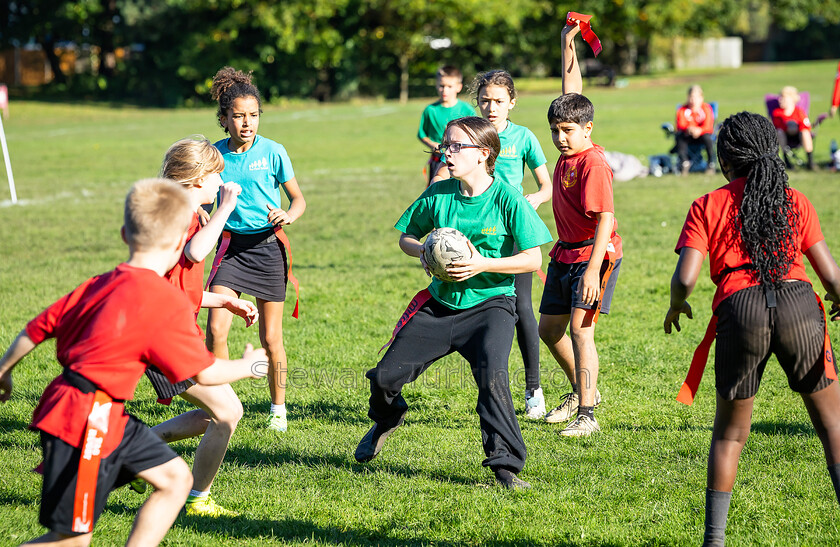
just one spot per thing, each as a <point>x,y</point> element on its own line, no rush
<point>755,230</point>
<point>253,256</point>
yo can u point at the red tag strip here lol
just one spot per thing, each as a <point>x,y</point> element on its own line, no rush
<point>217,260</point>
<point>541,275</point>
<point>416,303</point>
<point>585,30</point>
<point>698,364</point>
<point>835,97</point>
<point>828,354</point>
<point>97,428</point>
<point>606,269</point>
<point>284,239</point>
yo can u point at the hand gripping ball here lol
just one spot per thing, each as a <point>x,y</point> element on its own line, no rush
<point>443,247</point>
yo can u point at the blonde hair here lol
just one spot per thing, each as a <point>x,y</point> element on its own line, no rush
<point>789,91</point>
<point>191,159</point>
<point>157,213</point>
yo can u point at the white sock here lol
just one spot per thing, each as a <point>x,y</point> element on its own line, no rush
<point>278,409</point>
<point>198,494</point>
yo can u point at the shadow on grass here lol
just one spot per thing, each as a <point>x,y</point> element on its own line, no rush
<point>280,455</point>
<point>295,530</point>
<point>783,428</point>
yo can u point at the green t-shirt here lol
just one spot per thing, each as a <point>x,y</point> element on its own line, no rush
<point>436,116</point>
<point>493,221</point>
<point>520,147</point>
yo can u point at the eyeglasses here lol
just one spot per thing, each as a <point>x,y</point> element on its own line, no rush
<point>455,147</point>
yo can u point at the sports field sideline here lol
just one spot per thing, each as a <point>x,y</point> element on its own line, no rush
<point>640,482</point>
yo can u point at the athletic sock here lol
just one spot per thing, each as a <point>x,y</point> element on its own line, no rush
<point>196,495</point>
<point>834,473</point>
<point>278,409</point>
<point>588,411</point>
<point>717,508</point>
<point>574,388</point>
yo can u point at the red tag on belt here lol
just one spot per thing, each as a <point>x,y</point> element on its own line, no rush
<point>217,260</point>
<point>97,428</point>
<point>284,239</point>
<point>828,354</point>
<point>606,269</point>
<point>416,303</point>
<point>698,364</point>
<point>585,30</point>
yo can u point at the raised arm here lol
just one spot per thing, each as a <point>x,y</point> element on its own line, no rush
<point>200,245</point>
<point>572,80</point>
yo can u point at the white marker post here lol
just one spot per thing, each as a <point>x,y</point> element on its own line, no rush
<point>4,106</point>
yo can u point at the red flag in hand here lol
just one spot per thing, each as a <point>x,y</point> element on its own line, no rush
<point>574,18</point>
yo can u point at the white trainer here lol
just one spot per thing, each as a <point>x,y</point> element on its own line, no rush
<point>534,404</point>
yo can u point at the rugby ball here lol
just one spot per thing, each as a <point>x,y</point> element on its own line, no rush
<point>443,247</point>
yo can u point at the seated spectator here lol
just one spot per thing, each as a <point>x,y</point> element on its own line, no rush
<point>793,127</point>
<point>695,125</point>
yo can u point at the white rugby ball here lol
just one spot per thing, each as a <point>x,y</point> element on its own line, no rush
<point>443,247</point>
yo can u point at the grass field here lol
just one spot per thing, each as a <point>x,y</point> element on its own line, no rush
<point>640,482</point>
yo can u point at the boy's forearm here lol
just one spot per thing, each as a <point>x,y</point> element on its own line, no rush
<point>572,80</point>
<point>203,242</point>
<point>603,231</point>
<point>225,371</point>
<point>21,346</point>
<point>214,300</point>
<point>429,142</point>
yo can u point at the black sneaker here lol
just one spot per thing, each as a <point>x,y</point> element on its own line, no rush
<point>372,442</point>
<point>509,480</point>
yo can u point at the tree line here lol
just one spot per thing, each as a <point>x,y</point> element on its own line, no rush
<point>165,51</point>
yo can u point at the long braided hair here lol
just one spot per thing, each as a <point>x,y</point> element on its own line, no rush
<point>767,219</point>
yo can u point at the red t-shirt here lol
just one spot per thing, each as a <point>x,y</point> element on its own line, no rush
<point>780,119</point>
<point>708,230</point>
<point>704,118</point>
<point>188,275</point>
<point>109,329</point>
<point>582,187</point>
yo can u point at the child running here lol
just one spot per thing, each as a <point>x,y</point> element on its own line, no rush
<point>255,262</point>
<point>755,230</point>
<point>195,164</point>
<point>436,115</point>
<point>89,441</point>
<point>495,94</point>
<point>472,315</point>
<point>586,259</point>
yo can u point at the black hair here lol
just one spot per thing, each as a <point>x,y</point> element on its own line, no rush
<point>767,218</point>
<point>571,108</point>
<point>230,84</point>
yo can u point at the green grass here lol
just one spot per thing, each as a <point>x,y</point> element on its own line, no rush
<point>640,482</point>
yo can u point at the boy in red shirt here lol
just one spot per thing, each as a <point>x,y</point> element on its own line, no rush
<point>579,282</point>
<point>107,331</point>
<point>793,126</point>
<point>695,124</point>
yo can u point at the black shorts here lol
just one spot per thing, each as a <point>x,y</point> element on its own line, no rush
<point>560,294</point>
<point>254,264</point>
<point>748,332</point>
<point>139,450</point>
<point>163,387</point>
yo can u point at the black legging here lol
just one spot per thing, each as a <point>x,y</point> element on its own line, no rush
<point>684,139</point>
<point>527,330</point>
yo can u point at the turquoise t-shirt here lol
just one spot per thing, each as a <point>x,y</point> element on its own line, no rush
<point>520,147</point>
<point>493,221</point>
<point>436,116</point>
<point>259,171</point>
